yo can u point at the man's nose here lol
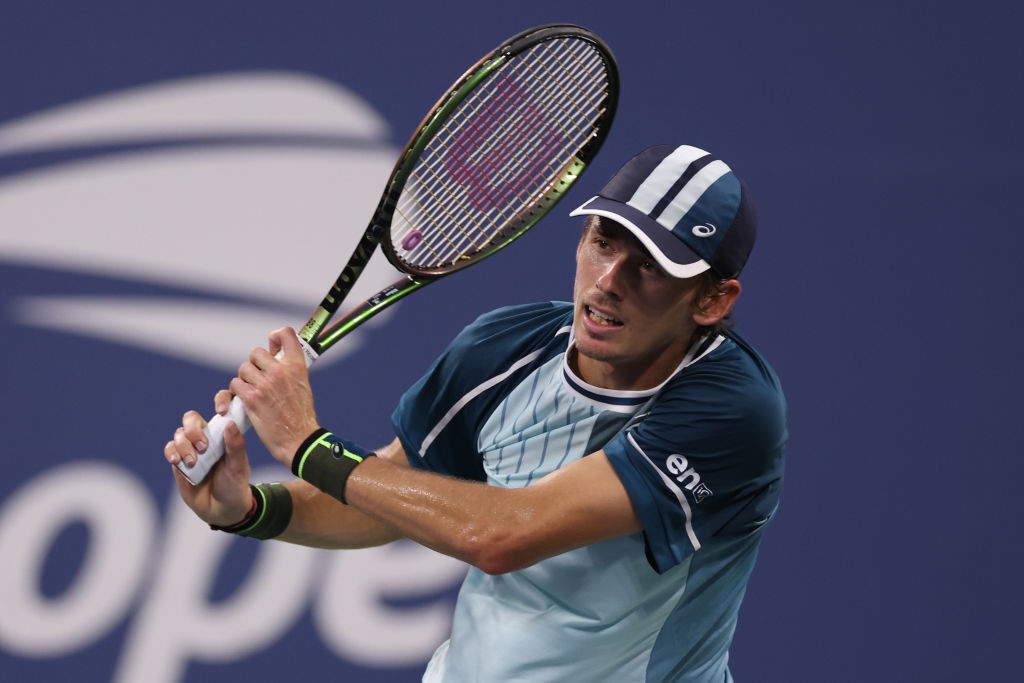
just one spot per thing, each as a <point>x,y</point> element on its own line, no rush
<point>612,278</point>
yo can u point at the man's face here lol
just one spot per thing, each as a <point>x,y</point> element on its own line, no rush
<point>633,322</point>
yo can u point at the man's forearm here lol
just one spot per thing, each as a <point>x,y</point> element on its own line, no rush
<point>320,521</point>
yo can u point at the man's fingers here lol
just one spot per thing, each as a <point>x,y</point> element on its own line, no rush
<point>234,442</point>
<point>221,401</point>
<point>185,487</point>
<point>193,423</point>
<point>189,438</point>
<point>261,359</point>
<point>235,459</point>
<point>239,387</point>
<point>284,344</point>
<point>171,453</point>
<point>281,340</point>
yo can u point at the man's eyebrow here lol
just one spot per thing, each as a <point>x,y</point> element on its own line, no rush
<point>606,227</point>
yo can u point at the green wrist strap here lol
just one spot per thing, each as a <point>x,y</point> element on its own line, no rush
<point>270,514</point>
<point>326,461</point>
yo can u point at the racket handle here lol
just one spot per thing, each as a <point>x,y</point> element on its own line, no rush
<point>214,430</point>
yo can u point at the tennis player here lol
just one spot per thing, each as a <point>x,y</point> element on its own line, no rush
<point>607,466</point>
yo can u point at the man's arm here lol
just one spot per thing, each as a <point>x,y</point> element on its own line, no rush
<point>496,529</point>
<point>320,521</point>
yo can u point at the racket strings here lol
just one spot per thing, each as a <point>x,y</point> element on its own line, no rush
<point>490,118</point>
<point>499,152</point>
<point>535,144</point>
<point>475,144</point>
<point>517,121</point>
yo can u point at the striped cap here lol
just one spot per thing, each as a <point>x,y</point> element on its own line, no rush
<point>685,206</point>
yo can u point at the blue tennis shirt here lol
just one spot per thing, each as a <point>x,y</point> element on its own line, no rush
<point>701,457</point>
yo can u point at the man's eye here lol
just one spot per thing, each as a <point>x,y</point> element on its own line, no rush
<point>651,267</point>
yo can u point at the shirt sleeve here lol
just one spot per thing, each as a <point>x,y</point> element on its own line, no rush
<point>705,461</point>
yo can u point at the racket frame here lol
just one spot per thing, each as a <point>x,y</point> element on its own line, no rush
<point>314,338</point>
<point>313,333</point>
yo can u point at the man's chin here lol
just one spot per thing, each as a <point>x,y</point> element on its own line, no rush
<point>595,350</point>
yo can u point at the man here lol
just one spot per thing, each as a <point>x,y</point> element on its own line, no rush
<point>628,564</point>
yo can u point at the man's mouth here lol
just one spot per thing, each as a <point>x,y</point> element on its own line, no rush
<point>601,319</point>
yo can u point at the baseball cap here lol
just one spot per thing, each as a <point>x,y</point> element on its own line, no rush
<point>685,206</point>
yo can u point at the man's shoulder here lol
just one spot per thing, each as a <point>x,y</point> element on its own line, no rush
<point>733,380</point>
<point>523,325</point>
<point>537,314</point>
<point>733,361</point>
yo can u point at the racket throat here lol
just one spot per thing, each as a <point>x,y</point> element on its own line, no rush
<point>378,302</point>
<point>315,323</point>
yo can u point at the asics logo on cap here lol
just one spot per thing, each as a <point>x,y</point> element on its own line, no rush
<point>687,208</point>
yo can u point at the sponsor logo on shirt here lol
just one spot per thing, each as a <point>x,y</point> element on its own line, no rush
<point>687,476</point>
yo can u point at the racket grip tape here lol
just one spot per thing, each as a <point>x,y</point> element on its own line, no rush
<point>214,430</point>
<point>326,461</point>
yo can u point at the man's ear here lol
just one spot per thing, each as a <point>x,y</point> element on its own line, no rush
<point>714,307</point>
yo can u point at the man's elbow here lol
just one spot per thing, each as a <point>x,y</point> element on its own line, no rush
<point>497,551</point>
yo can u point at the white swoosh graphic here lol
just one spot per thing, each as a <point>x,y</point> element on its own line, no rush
<point>262,103</point>
<point>269,222</point>
<point>166,326</point>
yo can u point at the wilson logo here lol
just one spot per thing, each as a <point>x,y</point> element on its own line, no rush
<point>493,171</point>
<point>688,477</point>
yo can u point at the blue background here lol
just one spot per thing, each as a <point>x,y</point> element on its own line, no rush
<point>882,143</point>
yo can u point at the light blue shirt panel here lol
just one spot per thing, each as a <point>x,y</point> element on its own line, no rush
<point>542,425</point>
<point>602,605</point>
<point>592,614</point>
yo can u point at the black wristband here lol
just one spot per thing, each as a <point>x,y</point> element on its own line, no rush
<point>326,461</point>
<point>270,516</point>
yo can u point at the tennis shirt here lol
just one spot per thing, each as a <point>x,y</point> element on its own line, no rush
<point>701,457</point>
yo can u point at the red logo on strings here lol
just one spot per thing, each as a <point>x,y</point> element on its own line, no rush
<point>509,125</point>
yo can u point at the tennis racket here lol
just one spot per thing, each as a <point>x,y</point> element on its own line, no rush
<point>490,159</point>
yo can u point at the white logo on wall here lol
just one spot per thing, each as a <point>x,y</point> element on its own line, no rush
<point>245,219</point>
<point>276,166</point>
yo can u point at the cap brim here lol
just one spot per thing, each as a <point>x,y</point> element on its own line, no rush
<point>669,251</point>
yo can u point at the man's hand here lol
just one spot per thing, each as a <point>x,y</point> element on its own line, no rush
<point>274,386</point>
<point>223,498</point>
